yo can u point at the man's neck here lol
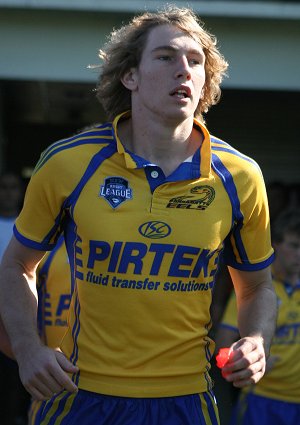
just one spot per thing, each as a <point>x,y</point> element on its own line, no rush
<point>166,146</point>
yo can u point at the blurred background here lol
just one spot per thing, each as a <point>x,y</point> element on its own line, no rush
<point>47,89</point>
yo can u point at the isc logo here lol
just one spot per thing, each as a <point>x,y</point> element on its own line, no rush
<point>155,229</point>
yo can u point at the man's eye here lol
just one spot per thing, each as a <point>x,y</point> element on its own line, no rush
<point>194,61</point>
<point>164,58</point>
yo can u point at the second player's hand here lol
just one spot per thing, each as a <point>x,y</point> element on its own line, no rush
<point>247,362</point>
<point>45,372</point>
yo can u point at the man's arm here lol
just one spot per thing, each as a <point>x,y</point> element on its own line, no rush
<point>257,312</point>
<point>42,370</point>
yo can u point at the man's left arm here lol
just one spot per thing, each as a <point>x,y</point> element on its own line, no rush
<point>257,313</point>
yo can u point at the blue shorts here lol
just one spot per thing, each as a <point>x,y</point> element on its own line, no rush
<point>87,408</point>
<point>252,409</point>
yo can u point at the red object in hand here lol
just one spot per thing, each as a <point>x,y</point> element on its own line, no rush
<point>222,357</point>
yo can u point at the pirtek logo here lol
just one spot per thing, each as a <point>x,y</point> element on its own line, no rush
<point>155,229</point>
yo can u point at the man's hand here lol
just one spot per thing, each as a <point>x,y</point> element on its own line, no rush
<point>247,362</point>
<point>44,372</point>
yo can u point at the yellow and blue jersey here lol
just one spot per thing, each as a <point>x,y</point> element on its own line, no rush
<point>144,251</point>
<point>282,381</point>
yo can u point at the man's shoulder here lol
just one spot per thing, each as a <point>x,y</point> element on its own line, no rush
<point>225,155</point>
<point>224,150</point>
<point>80,146</point>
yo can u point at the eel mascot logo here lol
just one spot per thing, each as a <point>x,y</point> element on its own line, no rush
<point>202,197</point>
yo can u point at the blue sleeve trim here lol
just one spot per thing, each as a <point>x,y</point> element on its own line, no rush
<point>40,246</point>
<point>250,266</point>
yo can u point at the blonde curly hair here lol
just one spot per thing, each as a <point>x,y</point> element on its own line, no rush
<point>124,49</point>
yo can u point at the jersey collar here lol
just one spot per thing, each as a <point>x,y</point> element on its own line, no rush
<point>205,149</point>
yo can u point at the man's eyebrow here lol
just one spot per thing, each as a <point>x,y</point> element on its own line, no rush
<point>175,49</point>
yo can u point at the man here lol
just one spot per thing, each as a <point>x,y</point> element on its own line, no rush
<point>147,203</point>
<point>276,398</point>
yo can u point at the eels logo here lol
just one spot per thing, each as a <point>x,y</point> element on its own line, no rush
<point>202,197</point>
<point>155,229</point>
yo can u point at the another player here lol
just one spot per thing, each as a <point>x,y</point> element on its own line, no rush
<point>53,285</point>
<point>54,295</point>
<point>275,399</point>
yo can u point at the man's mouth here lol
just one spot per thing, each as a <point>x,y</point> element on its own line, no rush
<point>181,93</point>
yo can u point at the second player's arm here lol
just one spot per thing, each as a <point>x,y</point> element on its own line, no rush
<point>42,370</point>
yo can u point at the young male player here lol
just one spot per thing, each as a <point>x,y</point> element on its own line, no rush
<point>276,397</point>
<point>147,203</point>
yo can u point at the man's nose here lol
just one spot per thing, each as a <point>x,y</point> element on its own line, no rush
<point>183,68</point>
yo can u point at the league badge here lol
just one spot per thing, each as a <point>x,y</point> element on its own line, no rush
<point>115,190</point>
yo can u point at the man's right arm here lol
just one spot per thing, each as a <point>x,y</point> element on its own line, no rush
<point>42,370</point>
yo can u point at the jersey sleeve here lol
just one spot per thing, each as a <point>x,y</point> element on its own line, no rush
<point>248,246</point>
<point>45,204</point>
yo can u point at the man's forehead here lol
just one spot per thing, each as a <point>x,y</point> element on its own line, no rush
<point>173,36</point>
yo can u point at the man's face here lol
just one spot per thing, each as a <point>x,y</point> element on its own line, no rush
<point>288,254</point>
<point>171,75</point>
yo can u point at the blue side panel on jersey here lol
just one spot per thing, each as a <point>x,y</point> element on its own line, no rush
<point>72,241</point>
<point>75,333</point>
<point>53,234</point>
<point>72,237</point>
<point>230,188</point>
<point>90,170</point>
<point>45,267</point>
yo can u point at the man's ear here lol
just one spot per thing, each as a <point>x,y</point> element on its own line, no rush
<point>129,79</point>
